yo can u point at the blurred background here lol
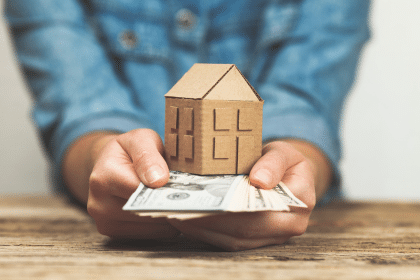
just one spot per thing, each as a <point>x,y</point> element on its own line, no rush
<point>381,128</point>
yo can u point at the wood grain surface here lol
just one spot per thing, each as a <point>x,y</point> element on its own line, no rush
<point>47,238</point>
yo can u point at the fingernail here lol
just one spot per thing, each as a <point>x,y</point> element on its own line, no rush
<point>264,176</point>
<point>154,174</point>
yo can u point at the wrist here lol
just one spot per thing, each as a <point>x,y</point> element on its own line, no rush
<point>79,161</point>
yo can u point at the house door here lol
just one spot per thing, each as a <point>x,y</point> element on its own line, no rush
<point>245,154</point>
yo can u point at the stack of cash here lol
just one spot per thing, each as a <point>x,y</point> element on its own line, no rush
<point>189,196</point>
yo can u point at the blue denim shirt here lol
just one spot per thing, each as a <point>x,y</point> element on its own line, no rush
<point>106,64</point>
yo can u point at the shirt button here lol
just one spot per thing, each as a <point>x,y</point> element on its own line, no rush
<point>185,19</point>
<point>128,39</point>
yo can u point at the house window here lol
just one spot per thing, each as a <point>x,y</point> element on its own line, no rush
<point>223,118</point>
<point>188,146</point>
<point>188,120</point>
<point>222,146</point>
<point>246,119</point>
<point>172,118</point>
<point>245,154</point>
<point>172,145</point>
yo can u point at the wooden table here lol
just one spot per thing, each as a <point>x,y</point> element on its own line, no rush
<point>46,238</point>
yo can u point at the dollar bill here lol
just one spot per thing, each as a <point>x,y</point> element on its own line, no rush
<point>287,196</point>
<point>189,196</point>
<point>186,192</point>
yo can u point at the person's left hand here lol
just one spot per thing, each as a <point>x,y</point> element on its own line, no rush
<point>240,231</point>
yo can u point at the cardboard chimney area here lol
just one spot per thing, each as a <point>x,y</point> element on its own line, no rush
<point>213,122</point>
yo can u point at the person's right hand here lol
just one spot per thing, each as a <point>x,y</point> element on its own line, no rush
<point>118,168</point>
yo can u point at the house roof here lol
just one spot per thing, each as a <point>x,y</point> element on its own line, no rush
<point>214,82</point>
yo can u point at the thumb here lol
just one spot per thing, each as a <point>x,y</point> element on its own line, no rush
<point>145,149</point>
<point>277,157</point>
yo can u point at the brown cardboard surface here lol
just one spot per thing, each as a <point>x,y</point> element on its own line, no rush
<point>230,165</point>
<point>222,146</point>
<point>199,80</point>
<point>213,122</point>
<point>232,87</point>
<point>188,146</point>
<point>246,119</point>
<point>245,158</point>
<point>224,118</point>
<point>188,119</point>
<point>172,145</point>
<point>173,117</point>
<point>187,158</point>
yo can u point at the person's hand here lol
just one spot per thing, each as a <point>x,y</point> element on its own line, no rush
<point>118,167</point>
<point>239,231</point>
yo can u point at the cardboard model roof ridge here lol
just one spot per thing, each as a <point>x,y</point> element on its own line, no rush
<point>214,82</point>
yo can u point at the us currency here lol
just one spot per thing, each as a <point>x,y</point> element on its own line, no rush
<point>189,196</point>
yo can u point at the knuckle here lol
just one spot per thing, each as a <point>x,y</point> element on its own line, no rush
<point>279,160</point>
<point>144,156</point>
<point>96,182</point>
<point>145,131</point>
<point>278,146</point>
<point>283,151</point>
<point>142,133</point>
<point>149,133</point>
<point>142,159</point>
<point>306,165</point>
<point>278,154</point>
<point>105,176</point>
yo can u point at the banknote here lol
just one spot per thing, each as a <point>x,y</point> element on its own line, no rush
<point>189,196</point>
<point>287,196</point>
<point>186,192</point>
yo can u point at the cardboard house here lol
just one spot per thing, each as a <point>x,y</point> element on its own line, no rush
<point>213,122</point>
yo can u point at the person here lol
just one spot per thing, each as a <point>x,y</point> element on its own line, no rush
<point>98,71</point>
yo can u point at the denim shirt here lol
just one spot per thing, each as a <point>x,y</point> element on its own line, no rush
<point>106,64</point>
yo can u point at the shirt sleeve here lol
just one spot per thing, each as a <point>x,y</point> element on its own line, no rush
<point>306,68</point>
<point>75,86</point>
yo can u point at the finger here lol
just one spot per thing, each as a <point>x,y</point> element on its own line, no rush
<point>277,157</point>
<point>255,225</point>
<point>113,173</point>
<point>300,180</point>
<point>110,208</point>
<point>145,148</point>
<point>222,240</point>
<point>135,230</point>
